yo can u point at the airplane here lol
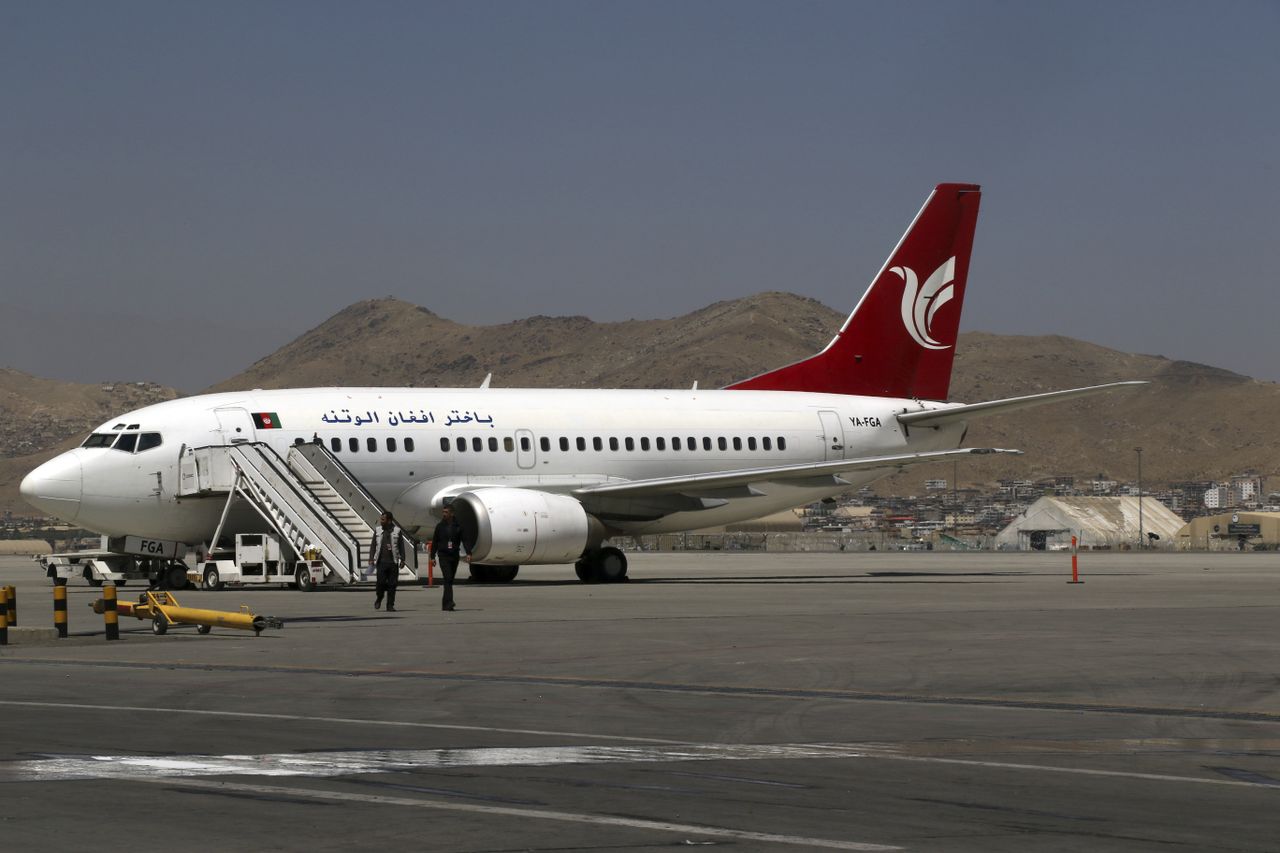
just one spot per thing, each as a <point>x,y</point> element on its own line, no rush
<point>548,476</point>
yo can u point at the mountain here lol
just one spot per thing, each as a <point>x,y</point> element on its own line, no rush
<point>389,342</point>
<point>1194,421</point>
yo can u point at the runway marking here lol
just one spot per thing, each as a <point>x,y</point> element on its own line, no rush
<point>530,814</point>
<point>323,764</point>
<point>203,712</point>
<point>693,689</point>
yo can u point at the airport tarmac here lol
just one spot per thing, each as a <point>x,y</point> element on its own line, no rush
<point>906,701</point>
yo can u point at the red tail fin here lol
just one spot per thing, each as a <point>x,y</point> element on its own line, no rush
<point>900,339</point>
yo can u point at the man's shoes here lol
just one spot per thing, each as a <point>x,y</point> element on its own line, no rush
<point>448,607</point>
<point>391,608</point>
<point>377,604</point>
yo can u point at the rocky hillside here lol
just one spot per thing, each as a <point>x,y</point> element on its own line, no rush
<point>1195,422</point>
<point>37,414</point>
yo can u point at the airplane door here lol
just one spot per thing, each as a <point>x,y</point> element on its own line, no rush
<point>526,455</point>
<point>235,425</point>
<point>833,434</point>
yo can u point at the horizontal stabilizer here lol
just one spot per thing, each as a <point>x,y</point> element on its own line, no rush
<point>797,475</point>
<point>951,414</point>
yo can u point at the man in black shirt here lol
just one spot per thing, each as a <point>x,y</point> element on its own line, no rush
<point>386,555</point>
<point>445,544</point>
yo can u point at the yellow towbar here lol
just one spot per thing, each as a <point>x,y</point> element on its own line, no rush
<point>163,610</point>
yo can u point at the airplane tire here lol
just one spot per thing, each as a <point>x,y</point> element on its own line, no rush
<point>212,580</point>
<point>159,624</point>
<point>586,570</point>
<point>610,565</point>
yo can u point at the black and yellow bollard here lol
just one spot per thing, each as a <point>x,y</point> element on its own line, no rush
<point>60,610</point>
<point>4,615</point>
<point>109,615</point>
<point>13,606</point>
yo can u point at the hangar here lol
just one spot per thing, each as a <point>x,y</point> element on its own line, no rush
<point>1049,524</point>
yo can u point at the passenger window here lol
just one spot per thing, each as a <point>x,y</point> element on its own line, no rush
<point>493,444</point>
<point>706,443</point>
<point>644,443</point>
<point>148,440</point>
<point>564,443</point>
<point>335,444</point>
<point>675,442</point>
<point>524,443</point>
<point>444,445</point>
<point>660,443</point>
<point>737,443</point>
<point>408,445</point>
<point>509,445</point>
<point>782,443</point>
<point>751,443</point>
<point>767,444</point>
<point>461,444</point>
<point>724,445</point>
<point>597,444</point>
<point>353,444</point>
<point>372,444</point>
<point>545,444</point>
<point>476,444</point>
<point>391,445</point>
<point>582,443</point>
<point>613,444</point>
<point>127,442</point>
<point>630,443</point>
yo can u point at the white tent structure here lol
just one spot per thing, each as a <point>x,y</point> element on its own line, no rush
<point>1049,524</point>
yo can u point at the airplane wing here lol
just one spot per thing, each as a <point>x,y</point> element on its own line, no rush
<point>726,484</point>
<point>938,417</point>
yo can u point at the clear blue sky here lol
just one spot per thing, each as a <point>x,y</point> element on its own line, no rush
<point>189,185</point>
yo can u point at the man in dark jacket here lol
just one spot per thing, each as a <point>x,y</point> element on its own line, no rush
<point>386,556</point>
<point>445,544</point>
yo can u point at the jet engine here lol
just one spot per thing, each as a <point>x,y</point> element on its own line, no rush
<point>514,527</point>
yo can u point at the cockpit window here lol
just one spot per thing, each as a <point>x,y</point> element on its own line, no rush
<point>127,442</point>
<point>99,439</point>
<point>148,440</point>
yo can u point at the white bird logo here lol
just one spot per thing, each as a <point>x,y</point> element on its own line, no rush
<point>921,302</point>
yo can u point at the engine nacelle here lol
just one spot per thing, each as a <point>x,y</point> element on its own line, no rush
<point>521,527</point>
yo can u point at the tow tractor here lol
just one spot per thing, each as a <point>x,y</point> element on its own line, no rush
<point>120,559</point>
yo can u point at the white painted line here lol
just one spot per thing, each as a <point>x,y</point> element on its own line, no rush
<point>1082,771</point>
<point>339,720</point>
<point>531,814</point>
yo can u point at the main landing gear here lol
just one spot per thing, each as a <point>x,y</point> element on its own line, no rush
<point>602,565</point>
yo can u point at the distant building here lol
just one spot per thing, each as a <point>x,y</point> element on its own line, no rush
<point>1231,531</point>
<point>1217,497</point>
<point>935,485</point>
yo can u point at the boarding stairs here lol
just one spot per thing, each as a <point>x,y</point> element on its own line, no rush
<point>309,498</point>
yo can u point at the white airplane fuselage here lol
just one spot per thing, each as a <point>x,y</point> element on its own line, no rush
<point>410,446</point>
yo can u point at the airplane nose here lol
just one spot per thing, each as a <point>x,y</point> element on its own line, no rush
<point>55,487</point>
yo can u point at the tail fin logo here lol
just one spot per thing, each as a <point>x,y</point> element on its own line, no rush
<point>921,302</point>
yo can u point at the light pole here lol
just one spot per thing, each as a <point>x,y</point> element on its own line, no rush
<point>1142,542</point>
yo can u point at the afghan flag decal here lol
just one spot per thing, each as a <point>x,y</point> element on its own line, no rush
<point>266,420</point>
